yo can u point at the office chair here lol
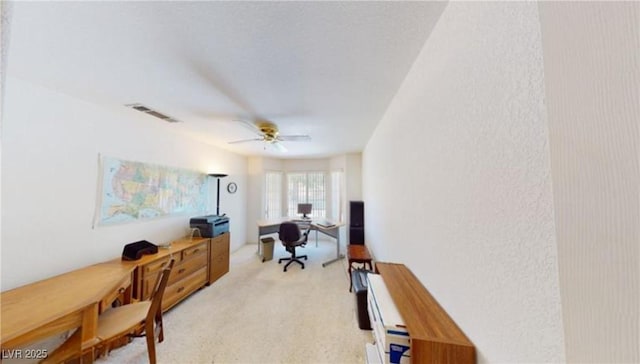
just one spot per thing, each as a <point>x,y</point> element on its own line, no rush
<point>289,234</point>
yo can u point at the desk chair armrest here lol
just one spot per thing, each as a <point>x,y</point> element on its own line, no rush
<point>306,234</point>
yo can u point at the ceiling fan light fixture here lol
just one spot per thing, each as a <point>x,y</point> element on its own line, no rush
<point>269,134</point>
<point>278,146</point>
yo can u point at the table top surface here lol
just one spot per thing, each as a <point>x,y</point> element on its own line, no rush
<point>319,223</point>
<point>31,306</point>
<point>175,248</point>
<point>36,304</point>
<point>358,252</point>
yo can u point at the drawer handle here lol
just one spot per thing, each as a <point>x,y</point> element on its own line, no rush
<point>121,290</point>
<point>195,251</point>
<point>181,270</point>
<point>180,289</point>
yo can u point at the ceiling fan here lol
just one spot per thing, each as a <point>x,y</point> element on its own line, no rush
<point>268,133</point>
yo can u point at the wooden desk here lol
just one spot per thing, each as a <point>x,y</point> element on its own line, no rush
<point>266,227</point>
<point>74,299</point>
<point>61,303</point>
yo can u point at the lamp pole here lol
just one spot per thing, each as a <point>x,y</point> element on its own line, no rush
<point>218,176</point>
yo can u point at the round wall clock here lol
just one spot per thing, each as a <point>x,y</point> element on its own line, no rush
<point>232,187</point>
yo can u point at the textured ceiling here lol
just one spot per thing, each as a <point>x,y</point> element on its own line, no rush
<point>326,69</point>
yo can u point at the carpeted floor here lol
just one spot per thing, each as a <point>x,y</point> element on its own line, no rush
<point>259,314</point>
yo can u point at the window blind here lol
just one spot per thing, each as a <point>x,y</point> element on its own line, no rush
<point>306,187</point>
<point>273,195</point>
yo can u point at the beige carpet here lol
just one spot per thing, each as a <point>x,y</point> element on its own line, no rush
<point>259,314</point>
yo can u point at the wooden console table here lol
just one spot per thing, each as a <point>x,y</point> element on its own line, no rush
<point>64,302</point>
<point>357,253</point>
<point>435,337</point>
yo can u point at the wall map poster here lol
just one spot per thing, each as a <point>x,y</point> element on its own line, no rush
<point>134,191</point>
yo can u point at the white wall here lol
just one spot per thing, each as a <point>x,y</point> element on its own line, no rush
<point>351,165</point>
<point>51,143</point>
<point>592,77</point>
<point>305,165</point>
<point>255,205</point>
<point>5,9</point>
<point>353,168</point>
<point>457,181</point>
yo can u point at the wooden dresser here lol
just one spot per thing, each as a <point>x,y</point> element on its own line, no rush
<point>198,262</point>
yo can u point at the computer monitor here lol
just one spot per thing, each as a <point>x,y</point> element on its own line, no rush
<point>304,209</point>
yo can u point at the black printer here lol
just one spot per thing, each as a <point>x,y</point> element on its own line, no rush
<point>210,225</point>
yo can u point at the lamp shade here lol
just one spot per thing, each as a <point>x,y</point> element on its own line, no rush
<point>217,175</point>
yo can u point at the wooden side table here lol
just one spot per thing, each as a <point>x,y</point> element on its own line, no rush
<point>358,253</point>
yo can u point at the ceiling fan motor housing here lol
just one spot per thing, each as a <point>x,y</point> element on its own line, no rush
<point>269,130</point>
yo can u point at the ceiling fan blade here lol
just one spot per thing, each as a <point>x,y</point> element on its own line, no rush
<point>294,138</point>
<point>249,125</point>
<point>278,146</point>
<point>246,140</point>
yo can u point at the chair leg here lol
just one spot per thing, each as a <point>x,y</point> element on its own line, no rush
<point>151,345</point>
<point>293,258</point>
<point>291,261</point>
<point>159,327</point>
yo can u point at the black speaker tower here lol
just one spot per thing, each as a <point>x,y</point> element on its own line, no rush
<point>356,222</point>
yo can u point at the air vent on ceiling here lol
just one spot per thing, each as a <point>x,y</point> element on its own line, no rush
<point>152,112</point>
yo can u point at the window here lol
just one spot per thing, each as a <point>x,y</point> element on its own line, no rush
<point>273,195</point>
<point>306,187</point>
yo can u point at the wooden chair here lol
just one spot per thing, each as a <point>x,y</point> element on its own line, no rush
<point>128,319</point>
<point>119,322</point>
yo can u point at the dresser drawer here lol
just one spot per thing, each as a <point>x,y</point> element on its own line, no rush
<point>150,273</point>
<point>187,267</point>
<point>153,267</point>
<point>179,272</point>
<point>195,250</point>
<point>177,291</point>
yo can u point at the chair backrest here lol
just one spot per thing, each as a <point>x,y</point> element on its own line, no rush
<point>158,290</point>
<point>289,232</point>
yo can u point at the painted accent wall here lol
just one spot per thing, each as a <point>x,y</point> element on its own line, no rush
<point>457,181</point>
<point>592,77</point>
<point>51,143</point>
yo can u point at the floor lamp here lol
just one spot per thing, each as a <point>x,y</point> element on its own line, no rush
<point>217,176</point>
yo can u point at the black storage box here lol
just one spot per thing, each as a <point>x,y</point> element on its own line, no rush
<point>134,251</point>
<point>359,282</point>
<point>211,225</point>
